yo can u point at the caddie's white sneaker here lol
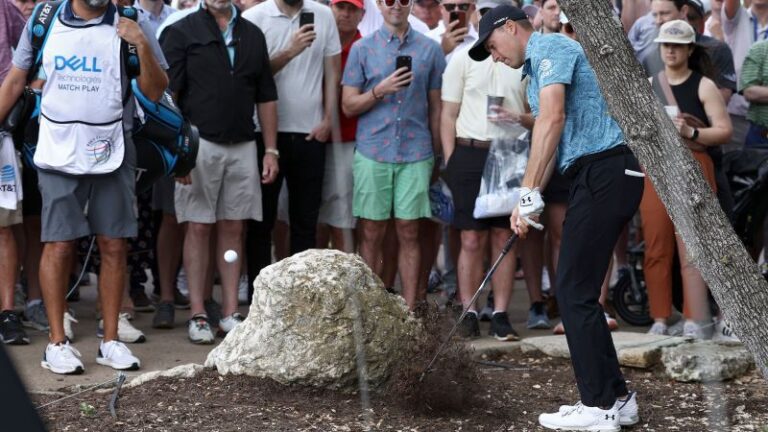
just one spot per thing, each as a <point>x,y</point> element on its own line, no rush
<point>117,356</point>
<point>62,358</point>
<point>628,409</point>
<point>580,417</point>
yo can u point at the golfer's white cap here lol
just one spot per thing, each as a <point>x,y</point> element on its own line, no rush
<point>676,32</point>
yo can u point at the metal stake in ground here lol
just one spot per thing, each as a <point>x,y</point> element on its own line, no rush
<point>491,271</point>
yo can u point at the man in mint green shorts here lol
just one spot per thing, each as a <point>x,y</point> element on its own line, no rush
<point>398,128</point>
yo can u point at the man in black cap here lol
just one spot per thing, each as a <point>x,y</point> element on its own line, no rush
<point>575,132</point>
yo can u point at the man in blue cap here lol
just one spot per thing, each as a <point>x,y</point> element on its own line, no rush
<point>574,132</point>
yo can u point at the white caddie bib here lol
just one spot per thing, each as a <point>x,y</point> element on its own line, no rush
<point>81,111</point>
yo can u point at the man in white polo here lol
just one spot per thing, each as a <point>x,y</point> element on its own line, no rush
<point>306,63</point>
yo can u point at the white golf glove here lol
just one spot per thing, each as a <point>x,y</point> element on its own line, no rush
<point>531,205</point>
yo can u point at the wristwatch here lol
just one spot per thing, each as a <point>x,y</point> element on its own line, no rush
<point>695,134</point>
<point>273,151</point>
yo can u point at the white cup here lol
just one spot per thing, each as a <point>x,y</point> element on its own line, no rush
<point>672,111</point>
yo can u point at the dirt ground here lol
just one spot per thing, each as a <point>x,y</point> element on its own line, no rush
<point>515,389</point>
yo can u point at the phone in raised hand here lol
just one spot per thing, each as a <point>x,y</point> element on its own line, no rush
<point>403,61</point>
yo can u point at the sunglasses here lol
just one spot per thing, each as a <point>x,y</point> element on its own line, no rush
<point>450,7</point>
<point>391,3</point>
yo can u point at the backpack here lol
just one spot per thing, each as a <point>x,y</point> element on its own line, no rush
<point>166,143</point>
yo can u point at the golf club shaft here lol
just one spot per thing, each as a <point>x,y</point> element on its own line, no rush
<point>491,271</point>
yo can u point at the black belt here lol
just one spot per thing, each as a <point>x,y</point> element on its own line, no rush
<point>470,142</point>
<point>583,161</point>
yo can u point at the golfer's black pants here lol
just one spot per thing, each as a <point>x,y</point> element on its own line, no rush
<point>602,200</point>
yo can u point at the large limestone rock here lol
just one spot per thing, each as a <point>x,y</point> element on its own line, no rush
<point>307,314</point>
<point>638,350</point>
<point>706,362</point>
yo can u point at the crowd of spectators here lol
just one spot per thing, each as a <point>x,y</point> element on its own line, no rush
<point>325,125</point>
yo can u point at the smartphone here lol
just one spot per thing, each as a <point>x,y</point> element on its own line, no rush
<point>459,16</point>
<point>306,18</point>
<point>403,61</point>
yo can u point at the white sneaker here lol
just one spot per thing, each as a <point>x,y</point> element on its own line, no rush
<point>227,324</point>
<point>200,330</point>
<point>117,356</point>
<point>658,328</point>
<point>580,417</point>
<point>69,318</point>
<point>62,358</point>
<point>693,330</point>
<point>628,410</point>
<point>242,291</point>
<point>126,332</point>
<point>723,333</point>
<point>629,413</point>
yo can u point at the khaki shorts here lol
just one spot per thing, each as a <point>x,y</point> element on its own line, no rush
<point>226,185</point>
<point>10,217</point>
<point>336,209</point>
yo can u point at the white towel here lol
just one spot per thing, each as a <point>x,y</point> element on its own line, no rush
<point>10,174</point>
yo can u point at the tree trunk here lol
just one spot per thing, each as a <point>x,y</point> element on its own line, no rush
<point>712,245</point>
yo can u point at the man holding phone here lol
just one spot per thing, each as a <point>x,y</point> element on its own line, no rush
<point>398,131</point>
<point>305,57</point>
<point>456,30</point>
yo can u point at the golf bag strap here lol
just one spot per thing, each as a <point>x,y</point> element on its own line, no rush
<point>41,22</point>
<point>129,52</point>
<point>661,77</point>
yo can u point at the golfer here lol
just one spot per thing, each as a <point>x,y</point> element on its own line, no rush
<point>575,133</point>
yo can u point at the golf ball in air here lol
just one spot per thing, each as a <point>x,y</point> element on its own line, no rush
<point>230,256</point>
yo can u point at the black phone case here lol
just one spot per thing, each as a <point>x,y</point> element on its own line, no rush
<point>306,18</point>
<point>403,61</point>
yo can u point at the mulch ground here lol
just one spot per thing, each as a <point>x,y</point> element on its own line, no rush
<point>511,399</point>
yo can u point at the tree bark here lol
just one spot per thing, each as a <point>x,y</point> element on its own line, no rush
<point>712,245</point>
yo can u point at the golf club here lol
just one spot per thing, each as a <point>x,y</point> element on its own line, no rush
<point>491,271</point>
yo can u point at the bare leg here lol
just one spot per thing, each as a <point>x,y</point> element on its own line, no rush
<point>504,278</point>
<point>470,270</point>
<point>694,288</point>
<point>409,258</point>
<point>55,266</point>
<point>371,242</point>
<point>323,236</point>
<point>196,262</point>
<point>342,239</point>
<point>555,214</point>
<point>32,257</point>
<point>169,238</point>
<point>112,281</point>
<point>430,244</point>
<point>532,251</point>
<point>388,271</point>
<point>10,258</point>
<point>229,235</point>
